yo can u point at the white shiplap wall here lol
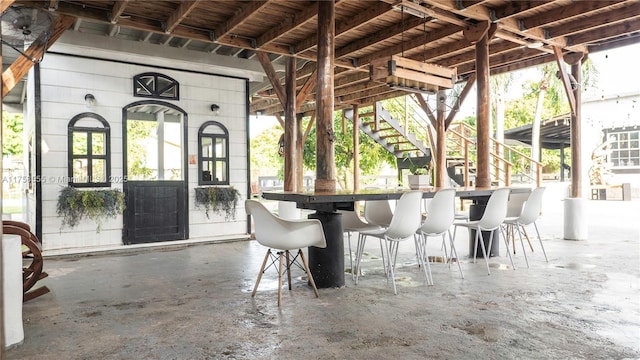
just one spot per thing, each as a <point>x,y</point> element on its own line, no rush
<point>64,82</point>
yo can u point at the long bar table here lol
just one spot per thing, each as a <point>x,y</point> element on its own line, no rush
<point>327,265</point>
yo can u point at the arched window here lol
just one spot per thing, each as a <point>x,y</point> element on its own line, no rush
<point>213,154</point>
<point>88,149</point>
<point>155,85</point>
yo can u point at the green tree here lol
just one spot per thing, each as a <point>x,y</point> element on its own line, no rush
<point>12,128</point>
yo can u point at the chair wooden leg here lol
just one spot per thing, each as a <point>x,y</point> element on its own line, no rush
<point>288,269</point>
<point>306,268</point>
<point>527,237</point>
<point>279,278</point>
<point>264,263</point>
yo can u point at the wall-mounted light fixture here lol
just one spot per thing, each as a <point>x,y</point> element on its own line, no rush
<point>215,108</point>
<point>90,100</point>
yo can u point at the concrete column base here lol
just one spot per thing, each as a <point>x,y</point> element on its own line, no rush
<point>575,219</point>
<point>12,289</point>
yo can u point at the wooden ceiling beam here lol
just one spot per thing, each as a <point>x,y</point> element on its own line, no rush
<point>346,25</point>
<point>4,5</point>
<point>272,75</point>
<point>241,16</point>
<point>576,8</point>
<point>183,10</point>
<point>21,66</point>
<point>289,24</point>
<point>610,32</point>
<point>378,36</point>
<point>516,8</point>
<point>116,10</point>
<point>411,44</point>
<point>596,21</point>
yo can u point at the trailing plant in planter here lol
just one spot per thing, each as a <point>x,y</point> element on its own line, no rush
<point>218,199</point>
<point>74,205</point>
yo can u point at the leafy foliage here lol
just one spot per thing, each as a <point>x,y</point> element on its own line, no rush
<point>12,127</point>
<point>74,205</point>
<point>218,199</point>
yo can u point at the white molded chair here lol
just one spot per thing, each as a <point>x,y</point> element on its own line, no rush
<point>404,223</point>
<point>529,215</point>
<point>440,217</point>
<point>284,235</point>
<point>378,212</point>
<point>514,209</point>
<point>352,222</point>
<point>494,214</point>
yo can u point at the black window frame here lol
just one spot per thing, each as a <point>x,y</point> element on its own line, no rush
<point>213,136</point>
<point>106,130</point>
<point>630,150</point>
<point>156,92</point>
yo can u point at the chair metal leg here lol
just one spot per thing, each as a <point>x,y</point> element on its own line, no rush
<point>306,268</point>
<point>353,276</point>
<point>475,245</point>
<point>454,252</point>
<point>540,239</point>
<point>279,278</point>
<point>359,251</point>
<point>506,242</point>
<point>484,251</point>
<point>264,263</point>
<point>393,280</point>
<point>288,269</point>
<point>522,243</point>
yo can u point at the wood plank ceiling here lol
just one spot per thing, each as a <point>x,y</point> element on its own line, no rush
<point>525,33</point>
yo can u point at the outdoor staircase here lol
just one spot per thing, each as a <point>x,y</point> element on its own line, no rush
<point>408,138</point>
<point>388,131</point>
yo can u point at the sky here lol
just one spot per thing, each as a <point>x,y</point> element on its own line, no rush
<point>616,76</point>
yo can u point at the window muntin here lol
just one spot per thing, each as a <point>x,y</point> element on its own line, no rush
<point>213,154</point>
<point>88,151</point>
<point>625,148</point>
<point>155,85</point>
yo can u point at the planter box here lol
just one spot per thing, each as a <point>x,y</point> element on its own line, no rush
<point>419,181</point>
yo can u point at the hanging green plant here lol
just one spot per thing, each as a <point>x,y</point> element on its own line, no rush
<point>74,205</point>
<point>218,199</point>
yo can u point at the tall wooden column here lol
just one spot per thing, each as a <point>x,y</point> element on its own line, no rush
<point>290,132</point>
<point>299,153</point>
<point>325,152</point>
<point>576,129</point>
<point>441,156</point>
<point>483,177</point>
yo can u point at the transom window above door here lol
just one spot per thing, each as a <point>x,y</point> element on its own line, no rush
<point>213,154</point>
<point>156,85</point>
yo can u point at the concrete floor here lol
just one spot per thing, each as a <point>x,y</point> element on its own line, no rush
<point>195,303</point>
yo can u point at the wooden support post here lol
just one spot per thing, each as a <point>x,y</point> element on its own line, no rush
<point>356,148</point>
<point>290,132</point>
<point>441,156</point>
<point>564,77</point>
<point>483,177</point>
<point>576,145</point>
<point>325,151</point>
<point>299,153</point>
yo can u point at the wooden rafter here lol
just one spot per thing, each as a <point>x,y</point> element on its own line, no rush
<point>271,75</point>
<point>117,9</point>
<point>22,64</point>
<point>346,25</point>
<point>4,5</point>
<point>185,8</point>
<point>564,77</point>
<point>288,25</point>
<point>463,95</point>
<point>249,9</point>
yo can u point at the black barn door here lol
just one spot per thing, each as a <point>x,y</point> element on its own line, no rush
<point>155,167</point>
